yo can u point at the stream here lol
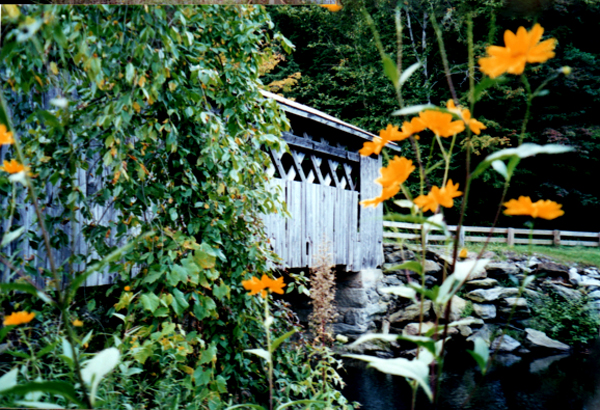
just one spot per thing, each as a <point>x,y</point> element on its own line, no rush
<point>566,382</point>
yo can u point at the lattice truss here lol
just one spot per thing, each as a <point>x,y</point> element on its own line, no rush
<point>317,161</point>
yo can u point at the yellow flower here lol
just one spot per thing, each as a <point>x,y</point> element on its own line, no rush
<point>465,115</point>
<point>391,178</point>
<point>332,7</point>
<point>18,318</point>
<point>391,133</point>
<point>521,48</point>
<point>438,196</point>
<point>5,136</point>
<point>13,167</point>
<point>545,209</point>
<point>463,253</point>
<point>254,285</point>
<point>77,323</point>
<point>441,123</point>
<point>127,288</point>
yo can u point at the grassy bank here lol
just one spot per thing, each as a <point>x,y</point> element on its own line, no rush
<point>565,254</point>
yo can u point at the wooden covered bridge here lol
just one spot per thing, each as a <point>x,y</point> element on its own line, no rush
<point>322,178</point>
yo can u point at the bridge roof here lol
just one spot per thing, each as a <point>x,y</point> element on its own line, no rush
<point>310,113</point>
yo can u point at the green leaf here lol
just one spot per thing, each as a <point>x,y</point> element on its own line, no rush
<point>500,167</point>
<point>150,301</point>
<point>4,331</point>
<point>141,354</point>
<point>11,236</point>
<point>390,69</point>
<point>38,404</point>
<point>49,118</point>
<point>260,352</point>
<point>9,379</point>
<point>208,355</point>
<point>411,369</point>
<point>179,303</point>
<point>99,366</point>
<point>247,405</point>
<point>408,72</point>
<point>411,265</point>
<point>61,388</point>
<point>176,275</point>
<point>306,401</point>
<point>205,257</point>
<point>402,291</point>
<point>413,109</point>
<point>129,73</point>
<point>281,339</point>
<point>59,36</point>
<point>525,150</point>
<point>481,354</point>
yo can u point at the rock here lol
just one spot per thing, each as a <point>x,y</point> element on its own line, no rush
<point>574,277</point>
<point>565,292</point>
<point>349,329</point>
<point>485,295</point>
<point>501,269</point>
<point>553,269</point>
<point>484,311</point>
<point>486,333</point>
<point>412,329</point>
<point>482,283</point>
<point>465,331</point>
<point>533,261</point>
<point>537,339</point>
<point>518,302</point>
<point>591,284</point>
<point>356,298</point>
<point>430,280</point>
<point>505,344</point>
<point>399,256</point>
<point>490,295</point>
<point>457,308</point>
<point>523,267</point>
<point>541,365</point>
<point>477,274</point>
<point>595,295</point>
<point>523,351</point>
<point>432,267</point>
<point>592,273</point>
<point>411,312</point>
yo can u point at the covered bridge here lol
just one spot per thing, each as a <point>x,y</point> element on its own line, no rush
<point>323,179</point>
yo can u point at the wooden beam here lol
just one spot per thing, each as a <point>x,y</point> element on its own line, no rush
<point>338,153</point>
<point>277,161</point>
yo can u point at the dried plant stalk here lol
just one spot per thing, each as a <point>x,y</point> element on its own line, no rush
<point>322,295</point>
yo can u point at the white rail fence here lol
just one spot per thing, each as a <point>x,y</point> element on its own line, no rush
<point>511,236</point>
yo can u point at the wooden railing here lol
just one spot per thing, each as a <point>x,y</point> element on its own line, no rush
<point>511,236</point>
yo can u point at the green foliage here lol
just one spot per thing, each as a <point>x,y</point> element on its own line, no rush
<point>161,107</point>
<point>569,320</point>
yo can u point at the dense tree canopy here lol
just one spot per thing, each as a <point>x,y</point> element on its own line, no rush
<point>341,74</point>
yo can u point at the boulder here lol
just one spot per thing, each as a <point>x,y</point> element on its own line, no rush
<point>485,311</point>
<point>482,283</point>
<point>595,295</point>
<point>432,267</point>
<point>537,339</point>
<point>592,273</point>
<point>465,331</point>
<point>507,360</point>
<point>399,256</point>
<point>486,333</point>
<point>491,295</point>
<point>505,344</point>
<point>501,269</point>
<point>411,312</point>
<point>457,309</point>
<point>412,329</point>
<point>520,303</point>
<point>533,262</point>
<point>565,292</point>
<point>553,269</point>
<point>574,277</point>
<point>589,283</point>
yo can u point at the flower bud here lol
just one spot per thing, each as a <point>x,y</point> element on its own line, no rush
<point>341,338</point>
<point>566,70</point>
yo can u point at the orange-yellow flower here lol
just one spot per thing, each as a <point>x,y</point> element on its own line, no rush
<point>5,136</point>
<point>254,285</point>
<point>520,48</point>
<point>127,288</point>
<point>465,115</point>
<point>545,209</point>
<point>391,133</point>
<point>13,167</point>
<point>463,253</point>
<point>77,323</point>
<point>438,196</point>
<point>391,178</point>
<point>441,123</point>
<point>415,125</point>
<point>332,7</point>
<point>18,318</point>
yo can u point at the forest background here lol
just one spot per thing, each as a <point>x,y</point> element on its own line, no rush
<point>336,68</point>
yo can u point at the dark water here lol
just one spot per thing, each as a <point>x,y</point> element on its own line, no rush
<point>566,382</point>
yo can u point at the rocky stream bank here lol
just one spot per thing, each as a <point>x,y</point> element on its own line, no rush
<point>483,305</point>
